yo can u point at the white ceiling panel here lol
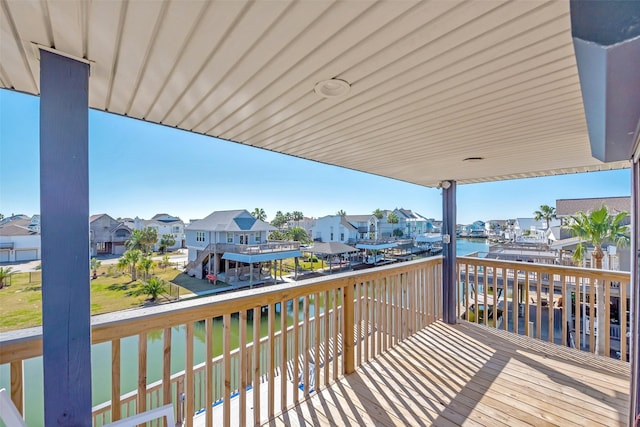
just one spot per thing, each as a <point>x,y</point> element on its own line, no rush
<point>431,82</point>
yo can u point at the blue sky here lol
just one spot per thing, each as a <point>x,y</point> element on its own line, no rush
<point>140,169</point>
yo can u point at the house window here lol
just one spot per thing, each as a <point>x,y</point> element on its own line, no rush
<point>229,237</point>
<point>242,242</point>
<point>331,238</point>
<point>258,237</point>
<point>176,229</point>
<point>341,236</point>
<point>199,236</point>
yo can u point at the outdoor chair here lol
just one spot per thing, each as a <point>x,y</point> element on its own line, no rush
<point>165,411</point>
<point>8,412</point>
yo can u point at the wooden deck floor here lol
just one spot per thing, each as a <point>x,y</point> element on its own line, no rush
<point>467,374</point>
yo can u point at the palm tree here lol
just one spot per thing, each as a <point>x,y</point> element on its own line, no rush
<point>166,242</point>
<point>595,228</point>
<point>297,217</point>
<point>378,213</point>
<point>298,234</point>
<point>279,220</point>
<point>547,213</point>
<point>5,272</point>
<point>149,236</point>
<point>130,259</point>
<point>341,212</point>
<point>259,214</point>
<point>135,240</point>
<point>145,265</point>
<point>392,218</point>
<point>154,287</point>
<point>95,265</point>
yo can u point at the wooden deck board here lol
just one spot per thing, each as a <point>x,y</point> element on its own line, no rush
<point>466,374</point>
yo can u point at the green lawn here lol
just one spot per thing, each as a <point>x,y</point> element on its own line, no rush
<point>21,301</point>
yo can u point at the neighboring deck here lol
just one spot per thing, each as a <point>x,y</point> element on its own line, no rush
<point>472,375</point>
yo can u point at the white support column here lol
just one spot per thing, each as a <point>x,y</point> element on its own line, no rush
<point>64,209</point>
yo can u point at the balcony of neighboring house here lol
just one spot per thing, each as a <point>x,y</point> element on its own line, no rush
<point>366,348</point>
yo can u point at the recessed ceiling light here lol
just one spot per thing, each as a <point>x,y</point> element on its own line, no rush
<point>473,159</point>
<point>332,88</point>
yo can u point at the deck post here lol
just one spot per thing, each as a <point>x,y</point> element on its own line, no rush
<point>449,251</point>
<point>349,323</point>
<point>64,209</point>
<point>634,358</point>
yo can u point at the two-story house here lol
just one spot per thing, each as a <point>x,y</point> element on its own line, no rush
<point>338,228</point>
<point>164,224</point>
<point>235,236</point>
<point>20,238</point>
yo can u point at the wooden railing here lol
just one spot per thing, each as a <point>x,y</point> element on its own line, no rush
<point>335,324</point>
<point>552,303</point>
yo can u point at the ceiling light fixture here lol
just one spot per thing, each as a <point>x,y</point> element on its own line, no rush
<point>332,88</point>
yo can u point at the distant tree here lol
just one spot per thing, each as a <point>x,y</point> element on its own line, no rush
<point>547,213</point>
<point>398,233</point>
<point>154,287</point>
<point>378,213</point>
<point>288,216</point>
<point>259,214</point>
<point>135,241</point>
<point>149,238</point>
<point>145,264</point>
<point>278,235</point>
<point>166,241</point>
<point>298,234</point>
<point>1,217</point>
<point>595,228</point>
<point>341,212</point>
<point>392,218</point>
<point>297,217</point>
<point>165,261</point>
<point>130,259</point>
<point>95,265</point>
<point>280,220</point>
<point>5,272</point>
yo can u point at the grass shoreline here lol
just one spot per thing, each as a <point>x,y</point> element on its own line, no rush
<point>21,297</point>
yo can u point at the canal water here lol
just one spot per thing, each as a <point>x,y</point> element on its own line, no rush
<point>101,355</point>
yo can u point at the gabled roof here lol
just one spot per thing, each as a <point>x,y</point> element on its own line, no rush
<point>230,221</point>
<point>347,224</point>
<point>12,229</point>
<point>358,218</point>
<point>98,216</point>
<point>331,248</point>
<point>565,207</point>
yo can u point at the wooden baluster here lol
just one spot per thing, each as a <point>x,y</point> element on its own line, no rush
<point>515,300</point>
<point>551,291</point>
<point>116,412</point>
<point>563,287</point>
<point>327,362</point>
<point>358,323</point>
<point>347,340</point>
<point>316,350</point>
<point>283,355</point>
<point>527,330</point>
<point>578,311</point>
<point>296,349</point>
<point>189,385</point>
<point>622,314</point>
<point>592,300</point>
<point>335,331</point>
<point>485,293</point>
<point>465,287</point>
<point>226,357</point>
<point>505,298</point>
<point>242,367</point>
<point>166,368</point>
<point>365,319</point>
<point>271,362</point>
<point>141,402</point>
<point>256,365</point>
<point>305,342</point>
<point>538,305</point>
<point>607,315</point>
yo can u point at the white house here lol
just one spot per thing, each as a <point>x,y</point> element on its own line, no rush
<point>164,224</point>
<point>412,224</point>
<point>18,242</point>
<point>337,228</point>
<point>528,230</point>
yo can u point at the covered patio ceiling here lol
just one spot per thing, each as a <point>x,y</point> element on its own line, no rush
<point>430,84</point>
